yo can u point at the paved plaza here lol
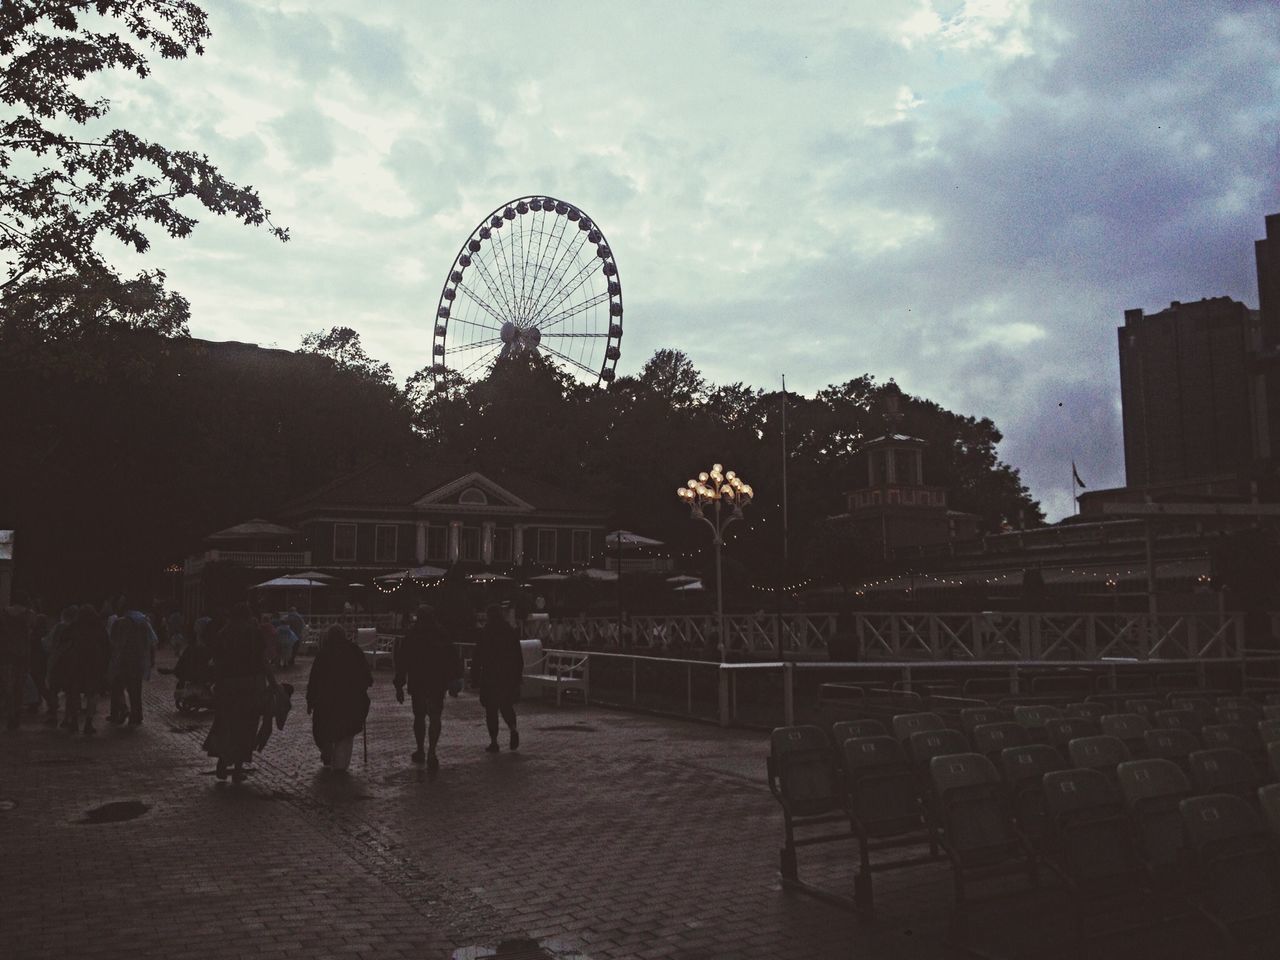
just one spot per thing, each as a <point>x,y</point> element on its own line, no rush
<point>609,835</point>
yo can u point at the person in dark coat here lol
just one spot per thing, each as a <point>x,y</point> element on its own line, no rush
<point>87,657</point>
<point>497,668</point>
<point>338,696</point>
<point>427,663</point>
<point>239,692</point>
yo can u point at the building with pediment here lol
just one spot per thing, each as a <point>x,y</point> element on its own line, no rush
<point>387,517</point>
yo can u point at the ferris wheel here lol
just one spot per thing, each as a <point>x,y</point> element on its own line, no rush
<point>536,275</point>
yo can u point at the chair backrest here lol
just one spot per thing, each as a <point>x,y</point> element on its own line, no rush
<point>991,738</point>
<point>1026,765</point>
<point>1202,706</point>
<point>1234,862</point>
<point>884,795</point>
<point>1086,709</point>
<point>1245,716</point>
<point>905,724</point>
<point>843,730</point>
<point>1095,838</point>
<point>1143,707</point>
<point>976,827</point>
<point>1239,703</point>
<point>1061,731</point>
<point>1235,735</point>
<point>801,760</point>
<point>1179,719</point>
<point>1269,800</point>
<point>1076,792</point>
<point>1035,715</point>
<point>1153,779</point>
<point>1223,770</point>
<point>1098,753</point>
<point>1269,731</point>
<point>924,745</point>
<point>1128,727</point>
<point>971,717</point>
<point>1175,745</point>
<point>960,772</point>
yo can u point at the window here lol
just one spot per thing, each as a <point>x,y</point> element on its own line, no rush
<point>546,546</point>
<point>581,546</point>
<point>469,543</point>
<point>437,542</point>
<point>502,552</point>
<point>344,541</point>
<point>473,495</point>
<point>384,543</point>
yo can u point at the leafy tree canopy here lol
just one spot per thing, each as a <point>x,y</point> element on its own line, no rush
<point>68,181</point>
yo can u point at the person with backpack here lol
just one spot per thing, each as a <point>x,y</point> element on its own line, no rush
<point>133,654</point>
<point>427,663</point>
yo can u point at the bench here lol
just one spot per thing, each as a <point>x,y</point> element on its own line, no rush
<point>560,670</point>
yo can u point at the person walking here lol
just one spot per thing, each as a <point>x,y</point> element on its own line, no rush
<point>497,669</point>
<point>338,696</point>
<point>16,621</point>
<point>427,663</point>
<point>56,644</point>
<point>133,654</point>
<point>87,658</point>
<point>239,692</point>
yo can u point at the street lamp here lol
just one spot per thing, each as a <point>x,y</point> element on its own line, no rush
<point>722,494</point>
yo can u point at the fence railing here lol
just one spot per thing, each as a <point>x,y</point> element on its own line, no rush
<point>907,636</point>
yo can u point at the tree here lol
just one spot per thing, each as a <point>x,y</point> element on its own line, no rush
<point>671,374</point>
<point>342,345</point>
<point>65,184</point>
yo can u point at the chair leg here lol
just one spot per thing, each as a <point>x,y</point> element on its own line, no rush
<point>789,868</point>
<point>863,894</point>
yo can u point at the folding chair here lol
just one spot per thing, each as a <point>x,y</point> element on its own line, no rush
<point>1236,735</point>
<point>971,717</point>
<point>1268,732</point>
<point>884,806</point>
<point>1061,732</point>
<point>1103,754</point>
<point>1234,863</point>
<point>1152,790</point>
<point>921,748</point>
<point>802,779</point>
<point>1034,717</point>
<point>1127,727</point>
<point>1269,800</point>
<point>1096,855</point>
<point>1244,715</point>
<point>905,724</point>
<point>1202,706</point>
<point>977,832</point>
<point>1086,709</point>
<point>1023,769</point>
<point>1224,770</point>
<point>989,739</point>
<point>843,730</point>
<point>1175,745</point>
<point>1238,703</point>
<point>1144,707</point>
<point>1179,719</point>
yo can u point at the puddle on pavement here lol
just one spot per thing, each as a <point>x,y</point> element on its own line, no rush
<point>117,812</point>
<point>520,949</point>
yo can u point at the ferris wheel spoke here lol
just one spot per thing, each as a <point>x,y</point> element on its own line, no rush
<point>488,285</point>
<point>556,257</point>
<point>474,345</point>
<point>481,302</point>
<point>479,360</point>
<point>582,336</point>
<point>494,287</point>
<point>568,359</point>
<point>563,315</point>
<point>570,287</point>
<point>499,249</point>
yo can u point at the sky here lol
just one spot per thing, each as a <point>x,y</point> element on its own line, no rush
<point>963,195</point>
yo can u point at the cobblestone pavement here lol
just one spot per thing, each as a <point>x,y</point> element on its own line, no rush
<point>608,835</point>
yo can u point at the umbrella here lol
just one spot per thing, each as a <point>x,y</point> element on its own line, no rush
<point>551,576</point>
<point>592,574</point>
<point>690,587</point>
<point>486,577</point>
<point>629,539</point>
<point>288,583</point>
<point>682,579</point>
<point>309,575</point>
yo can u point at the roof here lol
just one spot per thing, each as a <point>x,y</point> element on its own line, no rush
<point>386,484</point>
<point>253,530</point>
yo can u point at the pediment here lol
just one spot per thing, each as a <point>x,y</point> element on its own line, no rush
<point>473,492</point>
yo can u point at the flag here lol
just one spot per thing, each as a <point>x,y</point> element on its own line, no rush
<point>1076,476</point>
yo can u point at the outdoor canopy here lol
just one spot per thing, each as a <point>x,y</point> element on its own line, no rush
<point>289,583</point>
<point>629,539</point>
<point>418,573</point>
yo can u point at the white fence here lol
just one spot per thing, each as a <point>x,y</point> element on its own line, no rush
<point>914,636</point>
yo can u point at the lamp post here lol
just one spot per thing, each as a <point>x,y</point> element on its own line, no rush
<point>722,494</point>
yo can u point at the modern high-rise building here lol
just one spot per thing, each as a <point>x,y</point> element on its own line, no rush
<point>1190,391</point>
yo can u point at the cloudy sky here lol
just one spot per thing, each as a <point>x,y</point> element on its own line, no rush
<point>961,194</point>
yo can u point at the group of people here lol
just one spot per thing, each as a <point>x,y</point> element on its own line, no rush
<point>67,664</point>
<point>88,652</point>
